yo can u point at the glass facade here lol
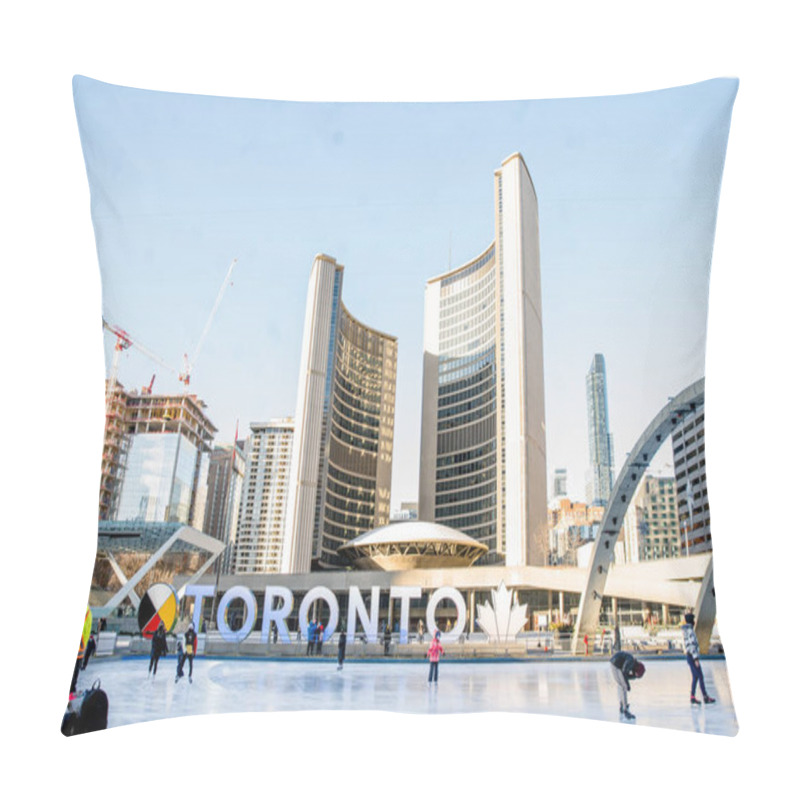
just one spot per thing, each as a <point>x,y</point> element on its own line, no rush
<point>159,479</point>
<point>341,467</point>
<point>467,403</point>
<point>483,445</point>
<point>360,431</point>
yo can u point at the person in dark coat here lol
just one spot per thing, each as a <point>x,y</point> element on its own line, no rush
<point>181,659</point>
<point>320,638</point>
<point>387,639</point>
<point>342,646</point>
<point>625,668</point>
<point>158,648</point>
<point>91,646</point>
<point>190,647</point>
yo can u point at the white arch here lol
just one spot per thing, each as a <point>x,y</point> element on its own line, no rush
<point>662,426</point>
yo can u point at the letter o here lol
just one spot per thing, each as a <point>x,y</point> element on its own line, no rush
<point>237,593</point>
<point>326,595</point>
<point>451,593</point>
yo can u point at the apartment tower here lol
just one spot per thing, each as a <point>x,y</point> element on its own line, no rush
<point>689,457</point>
<point>601,450</point>
<point>257,545</point>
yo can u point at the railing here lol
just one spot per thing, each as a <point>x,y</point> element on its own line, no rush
<point>546,644</point>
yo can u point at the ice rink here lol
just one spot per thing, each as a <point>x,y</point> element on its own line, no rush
<point>566,688</point>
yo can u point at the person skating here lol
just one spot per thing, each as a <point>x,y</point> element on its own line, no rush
<point>625,668</point>
<point>158,648</point>
<point>311,632</point>
<point>387,639</point>
<point>435,652</point>
<point>190,647</point>
<point>181,657</point>
<point>320,638</point>
<point>692,649</point>
<point>342,646</point>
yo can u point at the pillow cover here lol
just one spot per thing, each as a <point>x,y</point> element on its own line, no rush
<point>488,463</point>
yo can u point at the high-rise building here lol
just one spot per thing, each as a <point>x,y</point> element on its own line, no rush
<point>259,538</point>
<point>689,458</point>
<point>571,525</point>
<point>559,483</point>
<point>166,440</point>
<point>341,470</point>
<point>225,477</point>
<point>115,450</point>
<point>482,461</point>
<point>651,528</point>
<point>601,447</point>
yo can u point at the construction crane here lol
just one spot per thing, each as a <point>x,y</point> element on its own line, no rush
<point>124,341</point>
<point>188,364</point>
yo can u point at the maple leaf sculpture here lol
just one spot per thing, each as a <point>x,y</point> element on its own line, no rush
<point>501,621</point>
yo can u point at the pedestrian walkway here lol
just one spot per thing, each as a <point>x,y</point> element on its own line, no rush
<point>571,688</point>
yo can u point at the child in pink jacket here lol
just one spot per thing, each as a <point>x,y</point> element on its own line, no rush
<point>435,652</point>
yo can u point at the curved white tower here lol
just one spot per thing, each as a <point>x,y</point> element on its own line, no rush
<point>483,459</point>
<point>341,471</point>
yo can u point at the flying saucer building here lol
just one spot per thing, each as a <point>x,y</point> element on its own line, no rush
<point>413,545</point>
<point>482,460</point>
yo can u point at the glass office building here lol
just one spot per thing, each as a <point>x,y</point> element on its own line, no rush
<point>159,479</point>
<point>162,470</point>
<point>482,463</point>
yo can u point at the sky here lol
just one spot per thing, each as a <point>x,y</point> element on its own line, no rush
<point>627,189</point>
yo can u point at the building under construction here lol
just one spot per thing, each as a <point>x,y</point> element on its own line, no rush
<point>155,457</point>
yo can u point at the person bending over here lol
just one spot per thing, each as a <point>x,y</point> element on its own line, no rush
<point>625,668</point>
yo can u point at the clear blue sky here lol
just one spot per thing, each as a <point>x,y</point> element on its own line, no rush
<point>627,190</point>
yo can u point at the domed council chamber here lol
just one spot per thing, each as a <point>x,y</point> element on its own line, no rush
<point>413,545</point>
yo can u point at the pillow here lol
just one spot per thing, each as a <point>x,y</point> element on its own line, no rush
<point>478,462</point>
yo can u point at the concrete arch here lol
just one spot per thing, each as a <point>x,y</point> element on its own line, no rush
<point>677,410</point>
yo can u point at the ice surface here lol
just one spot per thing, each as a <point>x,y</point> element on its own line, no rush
<point>568,688</point>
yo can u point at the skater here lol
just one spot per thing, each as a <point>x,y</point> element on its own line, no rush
<point>320,638</point>
<point>312,634</point>
<point>342,646</point>
<point>387,639</point>
<point>692,649</point>
<point>421,631</point>
<point>435,652</point>
<point>181,658</point>
<point>190,647</point>
<point>158,648</point>
<point>625,668</point>
<point>91,646</point>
